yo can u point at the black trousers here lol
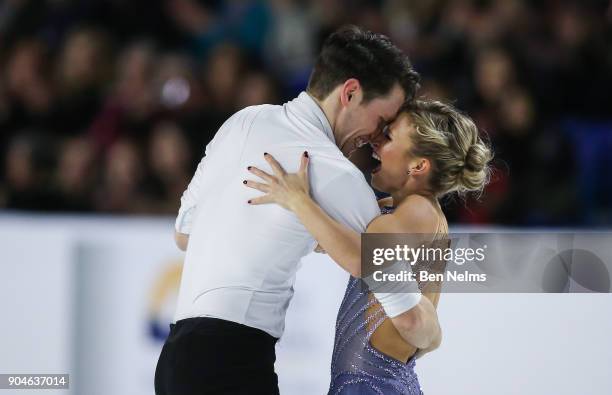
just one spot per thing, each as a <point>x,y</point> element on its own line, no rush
<point>204,356</point>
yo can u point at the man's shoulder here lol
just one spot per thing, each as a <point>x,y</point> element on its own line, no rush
<point>339,164</point>
<point>268,117</point>
<point>343,192</point>
<point>340,175</point>
<point>256,110</point>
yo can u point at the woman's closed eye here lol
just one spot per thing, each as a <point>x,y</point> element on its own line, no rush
<point>387,132</point>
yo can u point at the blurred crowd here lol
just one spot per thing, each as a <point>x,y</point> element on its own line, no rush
<point>107,105</point>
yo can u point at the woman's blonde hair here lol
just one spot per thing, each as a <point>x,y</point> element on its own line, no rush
<point>452,142</point>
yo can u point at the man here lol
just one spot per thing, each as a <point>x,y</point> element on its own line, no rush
<point>241,260</point>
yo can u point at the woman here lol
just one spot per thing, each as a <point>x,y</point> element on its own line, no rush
<point>429,151</point>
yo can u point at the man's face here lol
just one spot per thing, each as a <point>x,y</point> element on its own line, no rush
<point>358,122</point>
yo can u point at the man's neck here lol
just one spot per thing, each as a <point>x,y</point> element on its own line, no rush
<point>329,106</point>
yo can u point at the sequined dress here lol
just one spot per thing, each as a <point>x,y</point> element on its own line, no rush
<point>357,368</point>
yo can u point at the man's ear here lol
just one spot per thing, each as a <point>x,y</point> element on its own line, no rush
<point>351,91</point>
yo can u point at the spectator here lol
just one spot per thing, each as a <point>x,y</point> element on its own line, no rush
<point>121,185</point>
<point>169,165</point>
<point>106,106</point>
<point>75,181</point>
<point>131,102</point>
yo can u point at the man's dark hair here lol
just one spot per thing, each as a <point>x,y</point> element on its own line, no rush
<point>371,58</point>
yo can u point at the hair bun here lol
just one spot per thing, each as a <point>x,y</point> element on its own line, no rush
<point>475,174</point>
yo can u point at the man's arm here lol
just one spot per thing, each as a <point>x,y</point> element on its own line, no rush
<point>414,316</point>
<point>187,211</point>
<point>419,325</point>
<point>201,181</point>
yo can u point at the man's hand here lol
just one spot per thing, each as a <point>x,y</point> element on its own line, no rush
<point>181,240</point>
<point>385,202</point>
<point>419,326</point>
<point>434,345</point>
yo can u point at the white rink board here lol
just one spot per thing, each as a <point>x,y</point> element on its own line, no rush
<point>76,297</point>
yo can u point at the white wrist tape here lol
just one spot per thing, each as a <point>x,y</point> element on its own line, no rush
<point>395,304</point>
<point>395,292</point>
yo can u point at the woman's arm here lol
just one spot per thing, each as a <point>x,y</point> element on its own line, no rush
<point>342,244</point>
<point>292,191</point>
<point>418,324</point>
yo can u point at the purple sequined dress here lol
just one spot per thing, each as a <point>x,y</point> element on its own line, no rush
<point>357,368</point>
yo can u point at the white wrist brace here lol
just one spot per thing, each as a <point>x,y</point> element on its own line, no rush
<point>396,294</point>
<point>395,304</point>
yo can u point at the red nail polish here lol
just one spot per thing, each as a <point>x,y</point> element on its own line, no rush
<point>244,182</point>
<point>265,153</point>
<point>249,202</point>
<point>249,168</point>
<point>306,154</point>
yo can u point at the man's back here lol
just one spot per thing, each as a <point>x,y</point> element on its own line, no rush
<point>241,260</point>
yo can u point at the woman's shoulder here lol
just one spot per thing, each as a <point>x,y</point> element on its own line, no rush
<point>418,214</point>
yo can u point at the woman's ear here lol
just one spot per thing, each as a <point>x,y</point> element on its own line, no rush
<point>420,167</point>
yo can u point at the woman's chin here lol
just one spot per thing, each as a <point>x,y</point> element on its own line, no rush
<point>377,182</point>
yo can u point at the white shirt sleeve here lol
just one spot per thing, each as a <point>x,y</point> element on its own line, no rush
<point>204,176</point>
<point>349,200</point>
<point>190,197</point>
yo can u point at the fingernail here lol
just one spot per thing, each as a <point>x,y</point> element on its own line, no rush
<point>249,168</point>
<point>244,182</point>
<point>306,154</point>
<point>249,202</point>
<point>265,153</point>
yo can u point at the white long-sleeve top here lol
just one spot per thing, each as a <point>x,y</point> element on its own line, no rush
<point>241,259</point>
